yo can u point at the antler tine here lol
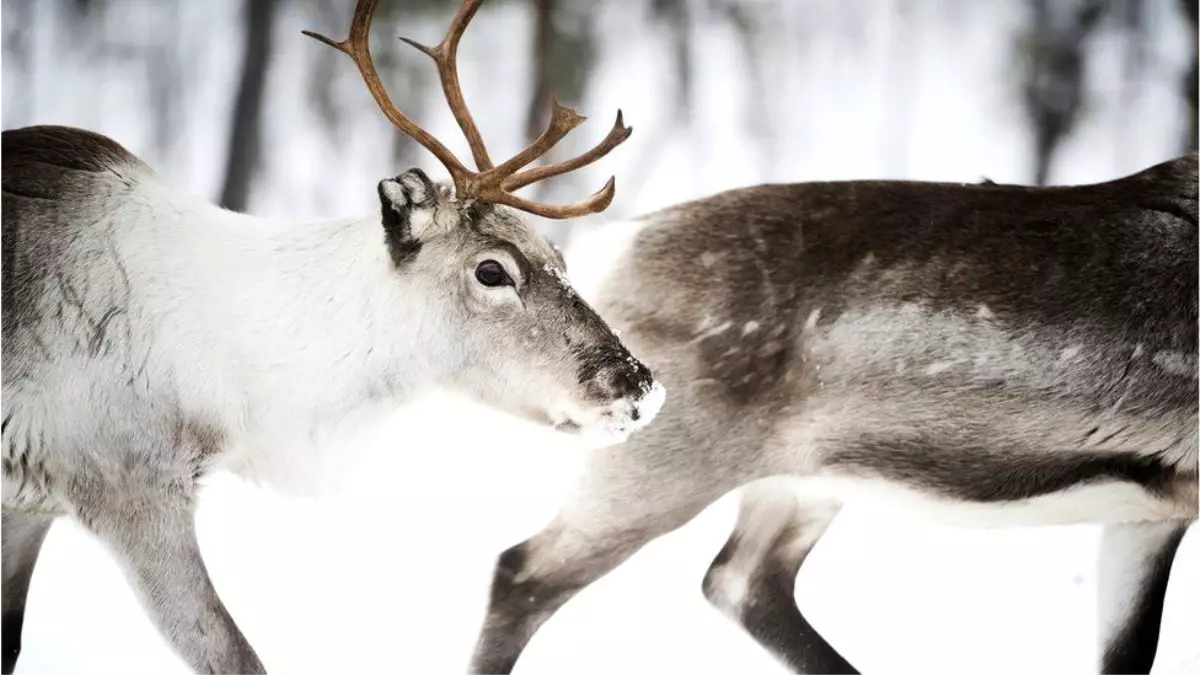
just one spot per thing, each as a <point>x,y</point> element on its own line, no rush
<point>445,55</point>
<point>616,136</point>
<point>594,204</point>
<point>491,183</point>
<point>562,120</point>
<point>497,184</point>
<point>357,48</point>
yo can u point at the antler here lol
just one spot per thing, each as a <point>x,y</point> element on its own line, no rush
<point>493,184</point>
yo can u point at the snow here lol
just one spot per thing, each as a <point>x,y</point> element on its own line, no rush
<point>393,576</point>
<point>390,572</point>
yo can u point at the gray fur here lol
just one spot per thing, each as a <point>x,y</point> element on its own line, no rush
<point>22,541</point>
<point>149,337</point>
<point>979,348</point>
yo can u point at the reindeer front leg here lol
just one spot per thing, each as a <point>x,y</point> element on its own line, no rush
<point>23,537</point>
<point>1135,564</point>
<point>144,514</point>
<point>753,578</point>
<point>155,543</point>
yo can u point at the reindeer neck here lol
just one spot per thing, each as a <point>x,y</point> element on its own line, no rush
<point>313,314</point>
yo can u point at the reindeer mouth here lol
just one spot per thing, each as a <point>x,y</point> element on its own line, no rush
<point>568,427</point>
<point>612,423</point>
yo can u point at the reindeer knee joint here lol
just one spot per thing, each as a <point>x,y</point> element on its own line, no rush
<point>511,564</point>
<point>726,587</point>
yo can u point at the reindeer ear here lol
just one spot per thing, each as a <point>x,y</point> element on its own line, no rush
<point>407,204</point>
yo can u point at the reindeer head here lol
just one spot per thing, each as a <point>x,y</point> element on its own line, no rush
<point>513,331</point>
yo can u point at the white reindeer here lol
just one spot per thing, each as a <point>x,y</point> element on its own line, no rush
<point>150,337</point>
<point>987,354</point>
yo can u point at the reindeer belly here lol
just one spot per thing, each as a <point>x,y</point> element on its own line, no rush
<point>976,458</point>
<point>959,416</point>
<point>1104,501</point>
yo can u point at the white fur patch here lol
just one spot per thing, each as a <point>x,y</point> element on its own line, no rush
<point>813,317</point>
<point>711,332</point>
<point>729,587</point>
<point>938,367</point>
<point>394,191</point>
<point>1176,363</point>
<point>1111,502</point>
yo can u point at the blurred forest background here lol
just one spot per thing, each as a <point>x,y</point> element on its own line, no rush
<point>229,100</point>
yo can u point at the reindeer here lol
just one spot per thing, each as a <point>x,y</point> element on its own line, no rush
<point>150,338</point>
<point>983,354</point>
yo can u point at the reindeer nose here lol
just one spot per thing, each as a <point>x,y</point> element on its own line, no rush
<point>622,394</point>
<point>637,398</point>
<point>629,378</point>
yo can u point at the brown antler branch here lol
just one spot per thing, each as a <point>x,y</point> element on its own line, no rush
<point>445,55</point>
<point>356,47</point>
<point>594,204</point>
<point>490,183</point>
<point>615,137</point>
<point>562,120</point>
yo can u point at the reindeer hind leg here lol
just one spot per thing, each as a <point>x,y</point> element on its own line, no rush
<point>1135,564</point>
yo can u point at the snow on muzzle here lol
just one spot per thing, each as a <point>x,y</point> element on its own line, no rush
<point>621,396</point>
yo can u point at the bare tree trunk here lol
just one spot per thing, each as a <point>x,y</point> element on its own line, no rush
<point>543,74</point>
<point>245,133</point>
<point>1054,77</point>
<point>1132,17</point>
<point>563,56</point>
<point>674,17</point>
<point>20,23</point>
<point>750,22</point>
<point>166,82</point>
<point>1191,11</point>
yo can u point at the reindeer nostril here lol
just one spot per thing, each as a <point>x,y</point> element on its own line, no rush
<point>610,373</point>
<point>629,382</point>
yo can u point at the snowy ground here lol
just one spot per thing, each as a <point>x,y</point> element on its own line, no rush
<point>395,580</point>
<point>389,573</point>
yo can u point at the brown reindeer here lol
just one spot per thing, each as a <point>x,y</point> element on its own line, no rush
<point>986,354</point>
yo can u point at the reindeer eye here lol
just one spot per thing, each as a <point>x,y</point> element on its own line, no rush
<point>491,274</point>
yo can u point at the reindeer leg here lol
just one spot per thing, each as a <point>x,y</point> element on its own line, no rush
<point>753,578</point>
<point>628,495</point>
<point>1135,564</point>
<point>155,542</point>
<point>22,541</point>
<point>586,540</point>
